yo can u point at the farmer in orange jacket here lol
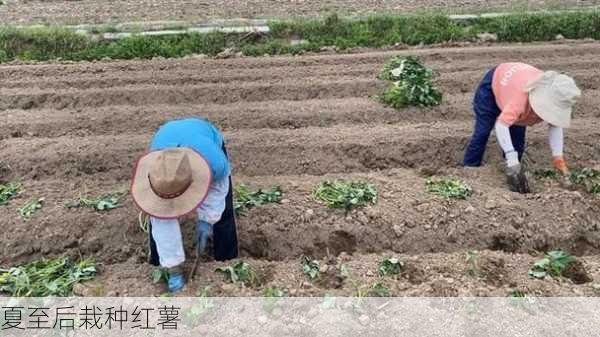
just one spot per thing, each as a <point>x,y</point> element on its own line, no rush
<point>511,97</point>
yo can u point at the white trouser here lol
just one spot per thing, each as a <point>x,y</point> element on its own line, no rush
<point>167,233</point>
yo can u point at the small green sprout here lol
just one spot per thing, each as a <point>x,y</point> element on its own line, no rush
<point>27,210</point>
<point>390,266</point>
<point>245,199</point>
<point>553,264</point>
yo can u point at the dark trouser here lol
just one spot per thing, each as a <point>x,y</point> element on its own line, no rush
<point>224,232</point>
<point>486,113</point>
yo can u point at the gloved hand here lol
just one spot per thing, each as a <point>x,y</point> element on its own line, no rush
<point>517,179</point>
<point>560,164</point>
<point>176,280</point>
<point>204,230</point>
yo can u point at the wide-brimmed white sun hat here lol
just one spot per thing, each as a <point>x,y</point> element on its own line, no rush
<point>552,96</point>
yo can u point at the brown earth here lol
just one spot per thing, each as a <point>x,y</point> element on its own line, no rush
<point>94,11</point>
<point>76,129</point>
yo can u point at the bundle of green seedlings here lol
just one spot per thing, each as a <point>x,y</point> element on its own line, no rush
<point>240,272</point>
<point>245,199</point>
<point>102,203</point>
<point>8,191</point>
<point>588,178</point>
<point>553,264</point>
<point>449,188</point>
<point>46,277</point>
<point>29,208</point>
<point>346,194</point>
<point>411,84</point>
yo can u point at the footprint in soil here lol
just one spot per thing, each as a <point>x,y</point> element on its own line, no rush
<point>341,241</point>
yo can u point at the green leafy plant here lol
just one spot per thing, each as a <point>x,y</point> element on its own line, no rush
<point>160,274</point>
<point>46,277</point>
<point>411,84</point>
<point>245,199</point>
<point>546,173</point>
<point>472,263</point>
<point>346,194</point>
<point>271,297</point>
<point>30,207</point>
<point>240,272</point>
<point>8,191</point>
<point>311,268</point>
<point>449,188</point>
<point>553,264</point>
<point>103,203</point>
<point>390,266</point>
<point>516,293</point>
<point>588,178</point>
<point>379,290</point>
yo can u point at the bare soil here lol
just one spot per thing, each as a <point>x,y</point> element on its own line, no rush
<point>73,129</point>
<point>95,11</point>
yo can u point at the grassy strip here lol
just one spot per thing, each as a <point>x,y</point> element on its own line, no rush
<point>375,31</point>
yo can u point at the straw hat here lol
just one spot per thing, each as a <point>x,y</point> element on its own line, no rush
<point>552,96</point>
<point>170,183</point>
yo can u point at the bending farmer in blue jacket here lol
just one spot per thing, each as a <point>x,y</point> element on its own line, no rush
<point>186,170</point>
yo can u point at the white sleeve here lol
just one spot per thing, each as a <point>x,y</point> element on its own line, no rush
<point>556,140</point>
<point>213,206</point>
<point>503,137</point>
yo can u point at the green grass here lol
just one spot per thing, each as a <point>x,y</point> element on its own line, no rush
<point>375,32</point>
<point>245,199</point>
<point>346,194</point>
<point>46,277</point>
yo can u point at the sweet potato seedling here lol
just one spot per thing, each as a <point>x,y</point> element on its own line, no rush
<point>8,191</point>
<point>587,178</point>
<point>245,199</point>
<point>449,188</point>
<point>240,272</point>
<point>553,264</point>
<point>271,297</point>
<point>411,84</point>
<point>379,290</point>
<point>27,210</point>
<point>311,268</point>
<point>346,194</point>
<point>159,274</point>
<point>546,173</point>
<point>46,277</point>
<point>390,266</point>
<point>103,203</point>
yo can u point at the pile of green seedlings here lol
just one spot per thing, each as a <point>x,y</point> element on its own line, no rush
<point>245,199</point>
<point>449,188</point>
<point>102,203</point>
<point>345,194</point>
<point>46,277</point>
<point>410,84</point>
<point>8,191</point>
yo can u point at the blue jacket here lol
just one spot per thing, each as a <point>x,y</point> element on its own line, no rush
<point>199,135</point>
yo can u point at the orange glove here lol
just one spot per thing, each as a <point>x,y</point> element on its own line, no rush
<point>560,164</point>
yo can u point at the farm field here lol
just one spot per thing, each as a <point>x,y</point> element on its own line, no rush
<point>73,129</point>
<point>20,12</point>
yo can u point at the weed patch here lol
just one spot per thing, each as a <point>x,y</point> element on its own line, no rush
<point>103,203</point>
<point>30,207</point>
<point>411,84</point>
<point>240,272</point>
<point>8,191</point>
<point>245,199</point>
<point>449,188</point>
<point>346,194</point>
<point>46,277</point>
